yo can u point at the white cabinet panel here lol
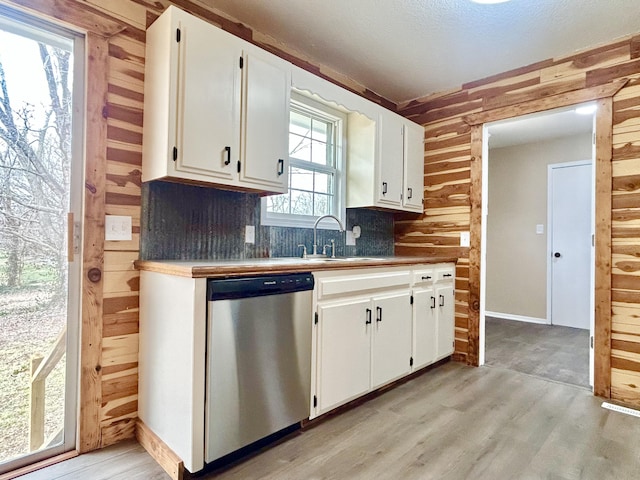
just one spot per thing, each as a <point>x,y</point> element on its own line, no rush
<point>425,336</point>
<point>391,145</point>
<point>446,320</point>
<point>265,148</point>
<point>208,82</point>
<point>391,341</point>
<point>413,167</point>
<point>344,364</point>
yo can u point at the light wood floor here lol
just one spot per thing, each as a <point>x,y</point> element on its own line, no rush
<point>548,351</point>
<point>455,422</point>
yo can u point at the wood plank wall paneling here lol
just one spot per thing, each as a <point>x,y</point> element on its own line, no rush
<point>448,183</point>
<point>109,347</point>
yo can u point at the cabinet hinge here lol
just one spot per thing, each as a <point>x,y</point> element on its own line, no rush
<point>175,153</point>
<point>315,401</point>
<point>411,300</point>
<point>411,361</point>
<point>178,35</point>
<point>315,320</point>
<point>241,62</point>
<point>238,166</point>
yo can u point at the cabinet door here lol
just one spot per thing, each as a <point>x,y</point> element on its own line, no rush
<point>344,347</point>
<point>390,158</point>
<point>413,167</point>
<point>446,320</point>
<point>391,342</point>
<point>424,327</point>
<point>265,147</point>
<point>207,136</point>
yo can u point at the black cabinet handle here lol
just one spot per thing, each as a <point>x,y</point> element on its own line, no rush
<point>368,320</point>
<point>379,314</point>
<point>384,188</point>
<point>428,277</point>
<point>446,275</point>
<point>228,160</point>
<point>433,302</point>
<point>410,192</point>
<point>442,300</point>
<point>280,166</point>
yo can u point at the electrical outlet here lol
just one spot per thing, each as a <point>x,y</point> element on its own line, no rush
<point>117,228</point>
<point>250,234</point>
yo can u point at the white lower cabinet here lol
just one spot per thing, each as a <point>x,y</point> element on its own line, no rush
<point>344,365</point>
<point>376,326</point>
<point>433,314</point>
<point>391,337</point>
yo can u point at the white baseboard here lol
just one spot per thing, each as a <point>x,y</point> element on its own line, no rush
<point>518,318</point>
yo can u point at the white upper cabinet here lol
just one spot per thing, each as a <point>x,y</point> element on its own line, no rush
<point>386,162</point>
<point>215,112</point>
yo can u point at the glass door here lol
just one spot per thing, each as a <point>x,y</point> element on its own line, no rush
<point>41,171</point>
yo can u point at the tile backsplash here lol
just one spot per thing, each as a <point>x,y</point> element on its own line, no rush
<point>187,222</point>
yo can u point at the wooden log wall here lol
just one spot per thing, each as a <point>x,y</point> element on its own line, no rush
<point>447,182</point>
<point>109,352</point>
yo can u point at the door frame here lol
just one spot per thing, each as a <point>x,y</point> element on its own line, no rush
<point>603,95</point>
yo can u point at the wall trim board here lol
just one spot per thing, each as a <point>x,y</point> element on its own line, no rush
<point>575,97</point>
<point>517,318</point>
<point>89,435</point>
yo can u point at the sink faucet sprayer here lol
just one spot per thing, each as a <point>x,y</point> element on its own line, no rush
<point>315,230</point>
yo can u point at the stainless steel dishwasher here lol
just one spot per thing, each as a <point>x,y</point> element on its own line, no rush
<point>258,358</point>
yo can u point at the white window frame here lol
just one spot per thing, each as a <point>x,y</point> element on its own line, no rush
<point>307,221</point>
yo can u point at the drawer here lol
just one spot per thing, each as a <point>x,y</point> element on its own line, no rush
<point>445,274</point>
<point>424,276</point>
<point>353,284</point>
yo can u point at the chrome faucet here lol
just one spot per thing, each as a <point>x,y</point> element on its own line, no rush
<point>315,230</point>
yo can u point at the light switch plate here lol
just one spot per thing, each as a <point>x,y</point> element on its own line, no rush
<point>540,229</point>
<point>250,234</point>
<point>465,239</point>
<point>117,228</point>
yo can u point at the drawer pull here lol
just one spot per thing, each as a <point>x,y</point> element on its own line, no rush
<point>447,275</point>
<point>379,314</point>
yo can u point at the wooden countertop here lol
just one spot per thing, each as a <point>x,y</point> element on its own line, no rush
<point>260,266</point>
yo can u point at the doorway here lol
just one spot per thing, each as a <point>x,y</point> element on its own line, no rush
<point>516,303</point>
<point>41,172</point>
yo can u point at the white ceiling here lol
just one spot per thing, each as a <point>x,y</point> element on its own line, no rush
<point>406,49</point>
<point>539,127</point>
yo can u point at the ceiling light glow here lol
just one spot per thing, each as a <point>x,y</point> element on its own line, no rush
<point>586,110</point>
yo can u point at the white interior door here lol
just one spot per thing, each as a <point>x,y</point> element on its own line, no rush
<point>570,187</point>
